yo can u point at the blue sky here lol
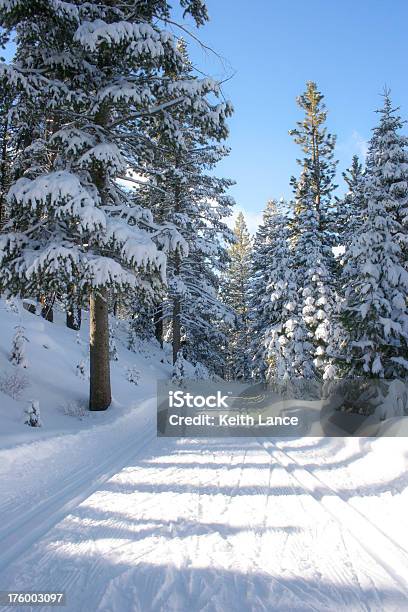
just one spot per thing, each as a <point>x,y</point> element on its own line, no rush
<point>350,48</point>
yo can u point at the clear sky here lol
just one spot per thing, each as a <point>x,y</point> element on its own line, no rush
<point>351,48</point>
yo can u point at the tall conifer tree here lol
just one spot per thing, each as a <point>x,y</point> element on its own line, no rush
<point>375,281</point>
<point>94,72</point>
<point>235,292</point>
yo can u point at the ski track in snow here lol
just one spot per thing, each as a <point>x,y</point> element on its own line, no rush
<point>203,525</point>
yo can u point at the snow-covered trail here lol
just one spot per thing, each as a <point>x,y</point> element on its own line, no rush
<point>216,526</point>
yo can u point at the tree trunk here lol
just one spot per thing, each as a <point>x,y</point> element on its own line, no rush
<point>176,324</point>
<point>100,388</point>
<point>4,170</point>
<point>115,308</point>
<point>158,324</point>
<point>47,304</point>
<point>176,328</point>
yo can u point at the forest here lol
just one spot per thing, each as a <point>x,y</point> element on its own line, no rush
<point>110,203</point>
<point>200,412</point>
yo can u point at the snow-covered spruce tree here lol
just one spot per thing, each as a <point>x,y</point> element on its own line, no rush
<point>18,354</point>
<point>73,310</point>
<point>289,349</point>
<point>93,72</point>
<point>33,414</point>
<point>235,293</point>
<point>270,267</point>
<point>351,208</point>
<point>313,267</point>
<point>375,280</point>
<point>183,192</point>
<point>178,373</point>
<point>113,351</point>
<point>141,320</point>
<point>261,263</point>
<point>318,162</point>
<point>285,353</point>
<point>312,237</point>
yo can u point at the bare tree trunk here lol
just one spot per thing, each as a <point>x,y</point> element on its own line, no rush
<point>176,328</point>
<point>100,385</point>
<point>158,324</point>
<point>100,388</point>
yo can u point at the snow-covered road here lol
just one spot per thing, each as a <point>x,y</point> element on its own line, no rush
<point>211,525</point>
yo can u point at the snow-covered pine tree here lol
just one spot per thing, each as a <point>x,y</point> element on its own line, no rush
<point>183,192</point>
<point>178,372</point>
<point>235,293</point>
<point>313,265</point>
<point>73,311</point>
<point>33,414</point>
<point>261,261</point>
<point>312,237</point>
<point>89,75</point>
<point>268,286</point>
<point>351,208</point>
<point>18,354</point>
<point>282,348</point>
<point>140,311</point>
<point>375,281</point>
<point>113,351</point>
<point>318,162</point>
<point>289,350</point>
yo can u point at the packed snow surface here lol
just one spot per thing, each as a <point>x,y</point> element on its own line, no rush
<point>99,507</point>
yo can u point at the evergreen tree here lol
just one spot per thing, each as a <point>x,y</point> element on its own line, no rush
<point>269,279</point>
<point>113,351</point>
<point>88,75</point>
<point>235,292</point>
<point>312,237</point>
<point>315,294</point>
<point>183,192</point>
<point>318,162</point>
<point>18,354</point>
<point>351,209</point>
<point>375,282</point>
<point>178,373</point>
<point>33,414</point>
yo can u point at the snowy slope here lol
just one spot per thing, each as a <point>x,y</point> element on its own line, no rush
<point>125,522</point>
<point>53,353</point>
<point>48,464</point>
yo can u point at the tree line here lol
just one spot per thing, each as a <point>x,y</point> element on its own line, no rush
<point>109,137</point>
<point>321,291</point>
